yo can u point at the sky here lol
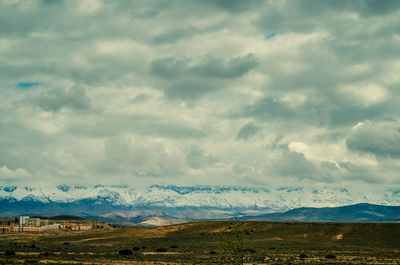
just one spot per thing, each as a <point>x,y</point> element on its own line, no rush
<point>200,92</point>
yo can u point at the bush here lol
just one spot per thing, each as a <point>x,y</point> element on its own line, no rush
<point>213,252</point>
<point>161,250</point>
<point>303,255</point>
<point>330,256</point>
<point>10,253</point>
<point>236,244</point>
<point>125,252</point>
<point>174,246</point>
<point>136,248</point>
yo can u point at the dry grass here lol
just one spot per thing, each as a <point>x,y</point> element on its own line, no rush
<point>271,243</point>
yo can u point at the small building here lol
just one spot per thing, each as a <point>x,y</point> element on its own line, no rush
<point>8,223</point>
<point>22,220</point>
<point>44,222</point>
<point>32,222</point>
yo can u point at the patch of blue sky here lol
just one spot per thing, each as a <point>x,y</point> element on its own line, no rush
<point>27,85</point>
<point>270,36</point>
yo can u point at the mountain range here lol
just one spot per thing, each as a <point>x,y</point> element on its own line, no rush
<point>158,204</point>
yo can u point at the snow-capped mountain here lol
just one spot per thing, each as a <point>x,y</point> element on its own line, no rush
<point>198,202</point>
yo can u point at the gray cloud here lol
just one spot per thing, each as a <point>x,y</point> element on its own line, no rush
<point>235,67</point>
<point>236,5</point>
<point>247,131</point>
<point>56,99</point>
<point>134,158</point>
<point>201,92</point>
<point>232,68</point>
<point>189,81</point>
<point>169,67</point>
<point>111,125</point>
<point>381,139</point>
<point>364,7</point>
<point>295,164</point>
<point>197,159</point>
<point>189,90</point>
<point>269,108</point>
<point>175,35</point>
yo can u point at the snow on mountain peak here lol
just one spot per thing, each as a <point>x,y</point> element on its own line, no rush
<point>275,199</point>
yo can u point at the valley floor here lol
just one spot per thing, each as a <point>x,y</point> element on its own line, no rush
<point>206,243</point>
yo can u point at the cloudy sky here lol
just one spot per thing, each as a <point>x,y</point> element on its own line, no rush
<point>191,92</point>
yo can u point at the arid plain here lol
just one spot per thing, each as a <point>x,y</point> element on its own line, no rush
<point>203,243</point>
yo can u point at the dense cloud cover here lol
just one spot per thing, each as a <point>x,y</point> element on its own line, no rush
<point>250,93</point>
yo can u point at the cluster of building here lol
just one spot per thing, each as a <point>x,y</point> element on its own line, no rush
<point>26,223</point>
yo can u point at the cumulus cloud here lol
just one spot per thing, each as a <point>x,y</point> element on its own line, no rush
<point>7,174</point>
<point>210,66</point>
<point>232,68</point>
<point>379,138</point>
<point>198,92</point>
<point>190,80</point>
<point>197,159</point>
<point>59,98</point>
<point>365,94</point>
<point>247,131</point>
<point>132,157</point>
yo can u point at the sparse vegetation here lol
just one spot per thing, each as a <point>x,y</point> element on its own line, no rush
<point>203,243</point>
<point>236,244</point>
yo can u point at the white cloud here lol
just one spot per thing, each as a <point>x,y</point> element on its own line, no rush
<point>365,94</point>
<point>13,175</point>
<point>87,7</point>
<point>252,105</point>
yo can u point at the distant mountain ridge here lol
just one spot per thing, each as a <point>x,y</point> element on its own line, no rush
<point>138,204</point>
<point>362,212</point>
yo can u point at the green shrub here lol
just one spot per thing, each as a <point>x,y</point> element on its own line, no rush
<point>136,248</point>
<point>236,245</point>
<point>161,250</point>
